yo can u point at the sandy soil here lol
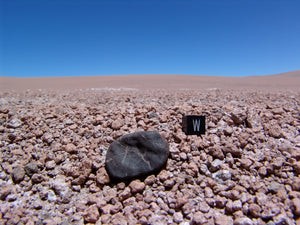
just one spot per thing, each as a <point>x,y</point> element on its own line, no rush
<point>54,134</point>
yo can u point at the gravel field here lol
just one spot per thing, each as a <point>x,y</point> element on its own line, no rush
<point>244,170</point>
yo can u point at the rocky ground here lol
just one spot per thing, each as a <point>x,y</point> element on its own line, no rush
<point>245,170</point>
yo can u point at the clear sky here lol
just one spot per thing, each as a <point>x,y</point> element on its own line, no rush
<point>114,37</point>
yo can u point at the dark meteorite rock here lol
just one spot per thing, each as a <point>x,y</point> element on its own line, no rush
<point>136,154</point>
<point>18,174</point>
<point>31,168</point>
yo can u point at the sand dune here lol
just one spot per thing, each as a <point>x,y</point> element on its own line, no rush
<point>289,80</point>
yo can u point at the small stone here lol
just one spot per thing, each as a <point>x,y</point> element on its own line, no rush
<point>233,149</point>
<point>286,146</point>
<point>125,194</point>
<point>119,219</point>
<point>296,166</point>
<point>204,170</point>
<point>223,220</point>
<point>14,220</point>
<point>18,174</point>
<point>152,115</point>
<point>178,217</point>
<point>274,131</point>
<point>274,187</point>
<point>236,205</point>
<point>199,218</point>
<point>253,119</point>
<point>102,176</point>
<point>146,213</point>
<point>270,210</point>
<point>243,221</point>
<point>60,186</point>
<point>262,171</point>
<point>136,154</point>
<point>31,168</point>
<point>222,176</point>
<point>91,214</point>
<point>106,209</point>
<point>278,162</point>
<point>50,165</point>
<point>5,191</point>
<point>204,207</point>
<point>238,116</point>
<point>37,178</point>
<point>296,206</point>
<point>164,175</point>
<point>228,130</point>
<point>296,153</point>
<point>234,195</point>
<point>137,186</point>
<point>70,148</point>
<point>246,163</point>
<point>14,123</point>
<point>261,198</point>
<point>254,210</point>
<point>117,124</point>
<point>48,138</point>
<point>183,156</point>
<point>296,184</point>
<point>220,201</point>
<point>216,152</point>
<point>180,202</point>
<point>51,196</point>
<point>105,219</point>
<point>143,220</point>
<point>208,193</point>
<point>69,122</point>
<point>282,219</point>
<point>215,165</point>
<point>157,219</point>
<point>150,180</point>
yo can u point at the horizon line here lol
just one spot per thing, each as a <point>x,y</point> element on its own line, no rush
<point>139,74</point>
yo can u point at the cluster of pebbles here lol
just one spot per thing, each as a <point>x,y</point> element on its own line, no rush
<point>244,170</point>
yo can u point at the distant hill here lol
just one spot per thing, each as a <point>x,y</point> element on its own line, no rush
<point>294,74</point>
<point>291,74</point>
<point>287,81</point>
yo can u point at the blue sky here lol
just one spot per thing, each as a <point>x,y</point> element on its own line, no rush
<point>114,37</point>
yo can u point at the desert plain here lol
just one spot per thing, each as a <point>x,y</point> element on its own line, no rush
<point>245,170</point>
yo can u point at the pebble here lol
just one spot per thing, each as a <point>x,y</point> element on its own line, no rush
<point>254,210</point>
<point>50,165</point>
<point>274,187</point>
<point>91,214</point>
<point>178,217</point>
<point>136,186</point>
<point>222,176</point>
<point>223,220</point>
<point>102,176</point>
<point>215,165</point>
<point>18,174</point>
<point>270,210</point>
<point>5,191</point>
<point>31,168</point>
<point>243,221</point>
<point>14,123</point>
<point>199,218</point>
<point>296,205</point>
